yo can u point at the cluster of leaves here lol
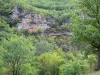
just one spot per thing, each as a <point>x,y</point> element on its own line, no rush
<point>5,7</point>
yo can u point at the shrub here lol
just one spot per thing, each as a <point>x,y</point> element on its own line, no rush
<point>74,68</point>
<point>49,63</point>
<point>43,46</point>
<point>92,60</point>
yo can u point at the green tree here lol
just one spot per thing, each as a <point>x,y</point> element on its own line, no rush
<point>5,7</point>
<point>86,26</point>
<point>28,69</point>
<point>49,63</point>
<point>78,67</point>
<point>19,51</point>
<point>3,69</point>
<point>92,60</point>
<point>4,29</point>
<point>43,46</point>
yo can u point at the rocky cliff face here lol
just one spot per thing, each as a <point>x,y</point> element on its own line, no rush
<point>31,20</point>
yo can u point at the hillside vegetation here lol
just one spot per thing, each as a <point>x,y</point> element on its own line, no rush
<point>49,37</point>
<point>58,9</point>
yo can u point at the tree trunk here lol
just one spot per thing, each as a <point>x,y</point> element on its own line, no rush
<point>13,73</point>
<point>98,58</point>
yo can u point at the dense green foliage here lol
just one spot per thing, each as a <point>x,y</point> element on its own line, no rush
<point>33,54</point>
<point>5,7</point>
<point>86,27</point>
<point>43,46</point>
<point>17,52</point>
